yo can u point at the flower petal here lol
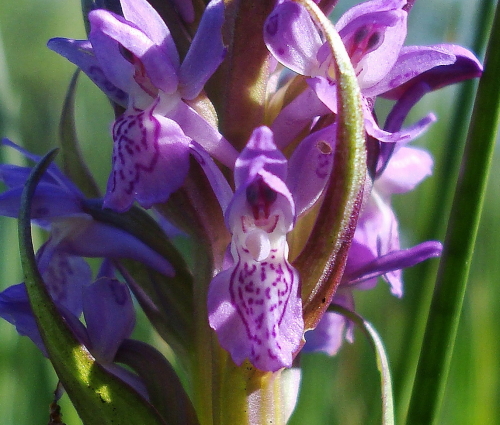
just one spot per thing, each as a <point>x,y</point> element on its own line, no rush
<point>296,116</point>
<point>16,309</point>
<point>261,160</point>
<point>64,275</point>
<point>52,176</point>
<point>412,62</point>
<point>255,305</point>
<point>326,92</point>
<point>402,136</point>
<point>199,129</point>
<point>205,53</point>
<point>292,37</point>
<point>49,202</point>
<point>87,237</point>
<point>377,226</point>
<point>368,7</point>
<point>109,31</point>
<point>256,310</point>
<point>438,66</point>
<point>150,160</point>
<point>373,33</point>
<point>259,154</point>
<point>106,49</point>
<point>310,167</point>
<point>81,53</point>
<point>391,262</point>
<point>219,184</point>
<point>147,19</point>
<point>406,169</point>
<point>402,107</point>
<point>109,315</point>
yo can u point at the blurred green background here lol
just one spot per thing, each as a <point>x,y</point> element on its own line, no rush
<point>339,390</point>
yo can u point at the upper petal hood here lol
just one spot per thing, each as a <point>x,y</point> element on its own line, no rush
<point>109,32</point>
<point>373,33</point>
<point>292,38</point>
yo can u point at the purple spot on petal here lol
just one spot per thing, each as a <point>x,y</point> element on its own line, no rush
<point>97,75</point>
<point>360,34</point>
<point>272,25</point>
<point>373,41</point>
<point>119,292</point>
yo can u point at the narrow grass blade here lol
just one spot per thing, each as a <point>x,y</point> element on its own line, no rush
<point>442,324</point>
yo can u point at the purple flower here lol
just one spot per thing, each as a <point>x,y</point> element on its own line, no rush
<point>377,228</point>
<point>373,33</point>
<point>255,305</point>
<point>65,276</point>
<point>133,59</point>
<point>361,274</point>
<point>375,249</point>
<point>60,207</point>
<point>106,305</point>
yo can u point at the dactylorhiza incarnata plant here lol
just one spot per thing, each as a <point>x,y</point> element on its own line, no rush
<point>247,131</point>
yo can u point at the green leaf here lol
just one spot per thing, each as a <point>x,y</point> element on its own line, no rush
<point>442,323</point>
<point>164,387</point>
<point>99,397</point>
<point>73,164</point>
<point>322,260</point>
<point>167,306</point>
<point>382,361</point>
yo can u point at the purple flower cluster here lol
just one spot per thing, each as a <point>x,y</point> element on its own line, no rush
<point>161,133</point>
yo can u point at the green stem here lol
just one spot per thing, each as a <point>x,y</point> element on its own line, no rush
<point>238,88</point>
<point>442,324</point>
<point>248,396</point>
